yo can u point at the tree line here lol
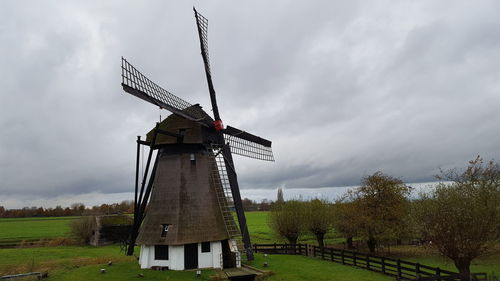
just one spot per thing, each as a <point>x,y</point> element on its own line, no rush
<point>76,209</point>
<point>125,207</point>
<point>460,217</point>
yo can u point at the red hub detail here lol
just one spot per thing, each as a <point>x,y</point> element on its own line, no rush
<point>218,125</point>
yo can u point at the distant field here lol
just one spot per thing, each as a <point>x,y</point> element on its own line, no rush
<point>15,230</point>
<point>261,233</point>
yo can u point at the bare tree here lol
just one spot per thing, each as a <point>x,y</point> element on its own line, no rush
<point>462,218</point>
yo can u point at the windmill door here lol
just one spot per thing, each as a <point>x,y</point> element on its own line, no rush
<point>228,257</point>
<point>191,256</point>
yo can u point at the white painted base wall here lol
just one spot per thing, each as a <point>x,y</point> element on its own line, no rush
<point>175,260</point>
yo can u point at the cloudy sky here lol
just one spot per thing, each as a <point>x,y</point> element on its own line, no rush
<point>342,88</point>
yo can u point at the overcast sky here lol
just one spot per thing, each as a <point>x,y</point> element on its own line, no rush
<point>342,88</point>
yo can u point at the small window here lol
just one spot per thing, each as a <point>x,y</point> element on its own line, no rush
<point>192,157</point>
<point>164,230</point>
<point>205,247</point>
<point>161,252</point>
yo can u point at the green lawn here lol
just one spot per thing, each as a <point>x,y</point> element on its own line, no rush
<point>14,230</point>
<point>84,263</point>
<point>430,257</point>
<point>295,268</point>
<point>16,260</point>
<point>123,272</point>
<point>289,268</point>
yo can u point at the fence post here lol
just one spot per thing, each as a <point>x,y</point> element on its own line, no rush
<point>417,270</point>
<point>354,258</point>
<point>399,268</point>
<point>342,256</point>
<point>368,262</point>
<point>332,255</point>
<point>438,273</point>
<point>322,253</point>
<point>383,265</point>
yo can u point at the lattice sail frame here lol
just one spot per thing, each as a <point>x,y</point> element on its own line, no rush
<point>137,84</point>
<point>202,24</point>
<point>248,148</point>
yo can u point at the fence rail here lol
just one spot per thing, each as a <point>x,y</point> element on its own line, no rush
<point>402,270</point>
<point>39,275</point>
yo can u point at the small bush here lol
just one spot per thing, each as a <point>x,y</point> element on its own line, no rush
<point>82,229</point>
<point>25,244</point>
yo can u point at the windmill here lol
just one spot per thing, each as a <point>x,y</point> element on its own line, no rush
<point>192,187</point>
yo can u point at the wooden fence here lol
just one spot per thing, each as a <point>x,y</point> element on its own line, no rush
<point>38,275</point>
<point>402,270</point>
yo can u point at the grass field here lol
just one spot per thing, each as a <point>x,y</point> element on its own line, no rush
<point>83,262</point>
<point>15,230</point>
<point>430,257</point>
<point>289,268</point>
<point>296,268</point>
<point>260,232</point>
<point>124,271</point>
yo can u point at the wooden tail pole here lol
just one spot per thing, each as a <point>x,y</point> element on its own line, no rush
<point>138,212</point>
<point>137,175</point>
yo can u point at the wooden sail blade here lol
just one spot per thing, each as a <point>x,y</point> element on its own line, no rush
<point>202,24</point>
<point>246,144</point>
<point>137,84</point>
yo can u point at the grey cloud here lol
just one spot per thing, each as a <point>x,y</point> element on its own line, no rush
<point>342,89</point>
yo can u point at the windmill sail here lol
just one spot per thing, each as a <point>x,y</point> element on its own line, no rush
<point>137,84</point>
<point>202,24</point>
<point>246,144</point>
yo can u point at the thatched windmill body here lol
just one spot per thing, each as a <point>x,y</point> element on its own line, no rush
<point>183,211</point>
